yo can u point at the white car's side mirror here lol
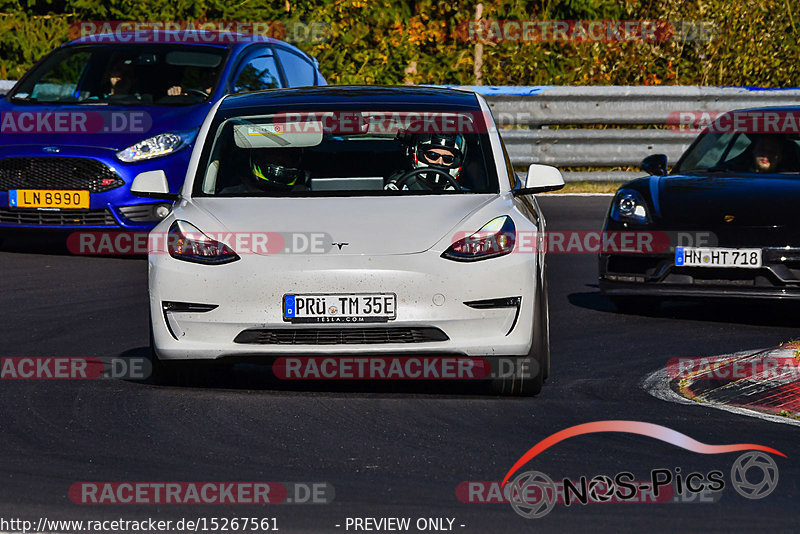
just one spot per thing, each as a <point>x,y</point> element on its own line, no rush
<point>152,184</point>
<point>541,178</point>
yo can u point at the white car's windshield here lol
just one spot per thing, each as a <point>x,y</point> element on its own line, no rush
<point>339,153</point>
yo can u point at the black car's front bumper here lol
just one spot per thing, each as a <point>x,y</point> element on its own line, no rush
<point>657,275</point>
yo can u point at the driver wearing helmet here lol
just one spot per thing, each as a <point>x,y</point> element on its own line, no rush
<point>278,170</point>
<point>439,152</point>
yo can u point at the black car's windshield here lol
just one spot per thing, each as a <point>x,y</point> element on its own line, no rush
<point>143,74</point>
<point>352,153</point>
<point>739,152</point>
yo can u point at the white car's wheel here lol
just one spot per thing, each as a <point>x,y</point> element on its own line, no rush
<point>527,379</point>
<point>160,370</point>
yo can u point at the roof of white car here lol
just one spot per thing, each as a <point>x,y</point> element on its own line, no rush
<point>355,96</point>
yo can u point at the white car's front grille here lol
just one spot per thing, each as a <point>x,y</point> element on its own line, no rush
<point>340,336</point>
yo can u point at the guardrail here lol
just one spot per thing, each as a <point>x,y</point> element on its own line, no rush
<point>527,115</point>
<point>530,112</point>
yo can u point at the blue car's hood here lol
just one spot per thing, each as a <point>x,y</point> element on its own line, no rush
<point>109,126</point>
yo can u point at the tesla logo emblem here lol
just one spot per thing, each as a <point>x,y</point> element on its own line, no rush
<point>340,245</point>
<point>729,218</point>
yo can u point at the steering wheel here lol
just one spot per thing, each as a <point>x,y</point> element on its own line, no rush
<point>405,178</point>
<point>196,92</point>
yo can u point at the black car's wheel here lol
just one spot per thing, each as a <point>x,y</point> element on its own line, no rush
<point>636,304</point>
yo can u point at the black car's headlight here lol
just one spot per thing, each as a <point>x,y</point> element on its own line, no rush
<point>495,238</point>
<point>628,206</point>
<point>157,146</point>
<point>187,243</point>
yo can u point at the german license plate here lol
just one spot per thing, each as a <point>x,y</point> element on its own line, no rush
<point>748,258</point>
<point>43,198</point>
<point>352,308</point>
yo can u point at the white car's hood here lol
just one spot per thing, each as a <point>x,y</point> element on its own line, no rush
<point>368,225</point>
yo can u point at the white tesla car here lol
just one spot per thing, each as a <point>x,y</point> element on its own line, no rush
<point>342,221</point>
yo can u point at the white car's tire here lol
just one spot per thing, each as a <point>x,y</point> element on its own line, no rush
<point>528,379</point>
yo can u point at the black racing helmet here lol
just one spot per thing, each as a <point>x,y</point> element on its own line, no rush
<point>276,169</point>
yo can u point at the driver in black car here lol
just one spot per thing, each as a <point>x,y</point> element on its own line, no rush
<point>443,154</point>
<point>767,153</point>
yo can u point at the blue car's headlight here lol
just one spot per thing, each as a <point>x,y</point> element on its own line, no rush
<point>156,146</point>
<point>628,206</point>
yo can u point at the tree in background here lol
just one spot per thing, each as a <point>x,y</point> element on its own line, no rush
<point>753,42</point>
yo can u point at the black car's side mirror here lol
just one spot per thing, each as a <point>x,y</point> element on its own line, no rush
<point>655,165</point>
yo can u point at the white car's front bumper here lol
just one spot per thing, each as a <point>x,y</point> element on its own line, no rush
<point>248,295</point>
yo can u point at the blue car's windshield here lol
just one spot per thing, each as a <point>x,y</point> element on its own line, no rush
<point>143,74</point>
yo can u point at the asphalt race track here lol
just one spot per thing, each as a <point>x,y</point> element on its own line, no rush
<point>389,450</point>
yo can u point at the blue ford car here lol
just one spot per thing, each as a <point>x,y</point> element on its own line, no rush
<point>85,120</point>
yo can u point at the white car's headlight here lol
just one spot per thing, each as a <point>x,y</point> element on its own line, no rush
<point>187,243</point>
<point>628,205</point>
<point>495,238</point>
<point>156,146</point>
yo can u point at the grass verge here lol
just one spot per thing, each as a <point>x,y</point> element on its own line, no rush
<point>588,187</point>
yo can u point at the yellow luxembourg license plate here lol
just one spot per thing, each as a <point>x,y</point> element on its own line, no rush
<point>45,198</point>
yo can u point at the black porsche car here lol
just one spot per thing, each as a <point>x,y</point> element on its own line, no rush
<point>731,209</point>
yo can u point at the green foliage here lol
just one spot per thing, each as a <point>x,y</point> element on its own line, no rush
<point>755,42</point>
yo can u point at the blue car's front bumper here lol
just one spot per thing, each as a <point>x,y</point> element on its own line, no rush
<point>97,170</point>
